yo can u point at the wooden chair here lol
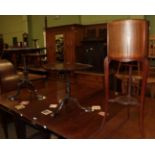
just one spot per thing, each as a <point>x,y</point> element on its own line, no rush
<point>127,41</point>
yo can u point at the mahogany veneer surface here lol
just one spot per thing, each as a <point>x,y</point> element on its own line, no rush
<point>72,122</point>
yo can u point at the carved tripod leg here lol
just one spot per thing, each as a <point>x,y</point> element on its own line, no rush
<point>60,105</point>
<point>34,91</point>
<point>19,86</point>
<point>86,109</point>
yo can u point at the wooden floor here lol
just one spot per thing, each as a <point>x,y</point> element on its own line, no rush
<point>114,127</point>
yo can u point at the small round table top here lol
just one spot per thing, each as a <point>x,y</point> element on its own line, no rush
<point>67,66</point>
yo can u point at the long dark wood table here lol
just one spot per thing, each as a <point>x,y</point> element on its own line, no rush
<point>70,122</point>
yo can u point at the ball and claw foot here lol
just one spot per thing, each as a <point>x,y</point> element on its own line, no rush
<point>12,98</point>
<point>41,97</point>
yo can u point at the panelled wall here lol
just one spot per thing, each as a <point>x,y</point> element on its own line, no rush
<point>37,22</point>
<point>151,18</point>
<point>13,26</point>
<point>97,19</point>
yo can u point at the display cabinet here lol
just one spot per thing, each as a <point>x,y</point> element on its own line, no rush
<point>93,47</point>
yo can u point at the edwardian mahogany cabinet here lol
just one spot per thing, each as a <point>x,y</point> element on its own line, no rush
<point>62,42</point>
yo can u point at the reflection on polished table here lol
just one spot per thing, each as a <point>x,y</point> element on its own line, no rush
<point>25,81</point>
<point>72,122</point>
<point>67,69</point>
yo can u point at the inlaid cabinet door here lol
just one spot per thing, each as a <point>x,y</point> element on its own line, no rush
<point>72,35</point>
<point>50,39</point>
<point>69,47</point>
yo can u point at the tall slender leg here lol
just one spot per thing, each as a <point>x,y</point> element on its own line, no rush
<point>106,74</point>
<point>68,83</point>
<point>145,66</point>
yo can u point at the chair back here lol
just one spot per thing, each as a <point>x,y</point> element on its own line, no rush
<point>8,76</point>
<point>6,68</point>
<point>127,39</point>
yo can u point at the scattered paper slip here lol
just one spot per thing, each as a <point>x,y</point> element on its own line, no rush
<point>102,113</point>
<point>46,112</point>
<point>19,106</point>
<point>53,105</point>
<point>96,107</point>
<point>24,102</point>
